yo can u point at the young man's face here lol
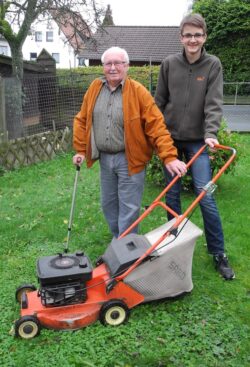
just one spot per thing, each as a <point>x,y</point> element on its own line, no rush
<point>193,39</point>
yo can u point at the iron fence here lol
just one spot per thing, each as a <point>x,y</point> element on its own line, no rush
<point>47,103</point>
<point>237,93</point>
<point>50,103</point>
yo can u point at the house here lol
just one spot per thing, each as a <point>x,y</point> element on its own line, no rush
<point>58,37</point>
<point>47,35</point>
<point>4,46</point>
<point>145,44</point>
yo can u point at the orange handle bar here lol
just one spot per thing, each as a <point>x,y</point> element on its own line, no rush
<point>180,218</point>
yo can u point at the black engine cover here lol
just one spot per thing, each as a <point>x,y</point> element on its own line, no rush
<point>64,268</point>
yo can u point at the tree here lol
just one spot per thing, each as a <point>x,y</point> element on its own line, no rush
<point>228,23</point>
<point>108,19</point>
<point>16,18</point>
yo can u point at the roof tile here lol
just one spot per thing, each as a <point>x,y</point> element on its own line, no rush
<point>143,43</point>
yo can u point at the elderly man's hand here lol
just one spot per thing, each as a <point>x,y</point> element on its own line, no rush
<point>78,159</point>
<point>176,167</point>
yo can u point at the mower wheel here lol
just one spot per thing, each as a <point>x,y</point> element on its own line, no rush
<point>24,288</point>
<point>114,312</point>
<point>27,327</point>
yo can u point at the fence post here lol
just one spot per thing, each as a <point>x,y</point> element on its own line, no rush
<point>3,130</point>
<point>150,76</point>
<point>236,94</point>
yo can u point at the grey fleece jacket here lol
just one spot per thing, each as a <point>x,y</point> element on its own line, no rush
<point>191,96</point>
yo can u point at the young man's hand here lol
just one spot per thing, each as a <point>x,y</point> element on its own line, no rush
<point>176,167</point>
<point>211,142</point>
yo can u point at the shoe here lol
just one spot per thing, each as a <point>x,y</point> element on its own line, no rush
<point>223,267</point>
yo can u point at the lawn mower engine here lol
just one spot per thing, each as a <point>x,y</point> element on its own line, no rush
<point>62,279</point>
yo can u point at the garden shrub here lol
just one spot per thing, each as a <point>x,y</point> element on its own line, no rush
<point>225,137</point>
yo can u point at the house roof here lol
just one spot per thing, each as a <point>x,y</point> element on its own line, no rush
<point>141,42</point>
<point>73,27</point>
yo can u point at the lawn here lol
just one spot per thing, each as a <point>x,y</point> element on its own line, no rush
<point>208,327</point>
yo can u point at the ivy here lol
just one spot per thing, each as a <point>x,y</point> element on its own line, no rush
<point>228,23</point>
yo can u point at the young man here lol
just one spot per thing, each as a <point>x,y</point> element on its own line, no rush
<point>120,124</point>
<point>190,95</point>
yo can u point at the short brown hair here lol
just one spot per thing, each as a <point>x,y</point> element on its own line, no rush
<point>195,20</point>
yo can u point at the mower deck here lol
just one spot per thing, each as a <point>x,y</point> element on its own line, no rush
<point>76,316</point>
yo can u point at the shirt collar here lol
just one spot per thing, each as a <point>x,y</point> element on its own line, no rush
<point>203,52</point>
<point>104,82</point>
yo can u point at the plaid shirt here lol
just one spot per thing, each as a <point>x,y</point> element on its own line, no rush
<point>108,123</point>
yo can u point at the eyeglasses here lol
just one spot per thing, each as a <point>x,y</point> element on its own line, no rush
<point>196,36</point>
<point>117,64</point>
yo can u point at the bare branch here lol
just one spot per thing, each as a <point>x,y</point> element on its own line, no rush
<point>77,19</point>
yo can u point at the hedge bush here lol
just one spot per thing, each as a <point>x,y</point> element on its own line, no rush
<point>218,159</point>
<point>146,75</point>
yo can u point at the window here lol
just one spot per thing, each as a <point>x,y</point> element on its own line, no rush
<point>56,57</point>
<point>38,36</point>
<point>49,36</point>
<point>33,56</point>
<point>49,25</point>
<point>81,61</point>
<point>4,50</point>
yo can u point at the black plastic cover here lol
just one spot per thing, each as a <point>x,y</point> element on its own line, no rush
<point>122,253</point>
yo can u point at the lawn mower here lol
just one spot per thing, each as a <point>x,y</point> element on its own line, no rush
<point>134,269</point>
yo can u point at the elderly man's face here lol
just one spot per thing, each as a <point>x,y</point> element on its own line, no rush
<point>115,68</point>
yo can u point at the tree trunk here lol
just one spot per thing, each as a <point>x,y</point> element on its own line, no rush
<point>14,95</point>
<point>14,114</point>
<point>17,61</point>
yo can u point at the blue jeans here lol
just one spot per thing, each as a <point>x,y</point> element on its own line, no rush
<point>121,194</point>
<point>201,175</point>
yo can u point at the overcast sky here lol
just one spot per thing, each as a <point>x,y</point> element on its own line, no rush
<point>146,12</point>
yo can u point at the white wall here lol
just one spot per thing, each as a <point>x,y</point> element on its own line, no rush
<point>67,58</point>
<point>4,48</point>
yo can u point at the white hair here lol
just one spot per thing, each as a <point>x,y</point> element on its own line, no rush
<point>117,50</point>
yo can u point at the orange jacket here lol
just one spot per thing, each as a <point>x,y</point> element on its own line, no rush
<point>144,126</point>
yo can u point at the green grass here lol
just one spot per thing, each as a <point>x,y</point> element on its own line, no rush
<point>208,327</point>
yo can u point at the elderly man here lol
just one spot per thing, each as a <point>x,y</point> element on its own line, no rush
<point>120,125</point>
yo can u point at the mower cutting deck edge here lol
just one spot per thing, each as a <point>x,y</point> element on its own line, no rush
<point>134,269</point>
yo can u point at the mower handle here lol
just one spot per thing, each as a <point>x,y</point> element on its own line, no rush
<point>72,205</point>
<point>78,161</point>
<point>179,218</point>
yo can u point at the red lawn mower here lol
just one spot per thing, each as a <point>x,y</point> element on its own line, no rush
<point>134,269</point>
